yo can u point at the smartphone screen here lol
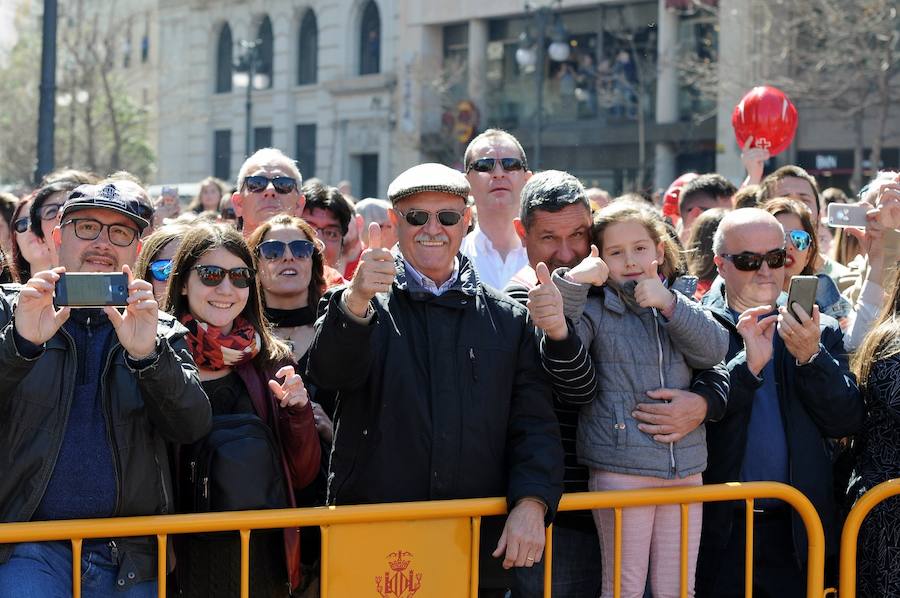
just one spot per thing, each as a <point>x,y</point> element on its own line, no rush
<point>94,289</point>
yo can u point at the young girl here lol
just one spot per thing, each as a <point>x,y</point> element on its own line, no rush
<point>212,290</point>
<point>643,336</point>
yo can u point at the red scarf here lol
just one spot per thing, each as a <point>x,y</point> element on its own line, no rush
<point>215,351</point>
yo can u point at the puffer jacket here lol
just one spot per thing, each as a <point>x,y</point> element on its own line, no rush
<point>143,411</point>
<point>635,350</point>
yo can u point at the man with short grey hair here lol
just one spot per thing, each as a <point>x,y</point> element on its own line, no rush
<point>268,184</point>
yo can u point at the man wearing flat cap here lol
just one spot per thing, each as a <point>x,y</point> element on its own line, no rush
<point>89,399</point>
<point>441,392</point>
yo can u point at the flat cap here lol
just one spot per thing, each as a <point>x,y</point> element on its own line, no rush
<point>429,177</point>
<point>107,197</point>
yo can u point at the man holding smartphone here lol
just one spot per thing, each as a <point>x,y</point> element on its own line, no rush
<point>89,398</point>
<point>791,390</point>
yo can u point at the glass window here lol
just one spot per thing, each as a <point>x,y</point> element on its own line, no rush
<point>262,137</point>
<point>308,50</point>
<point>306,150</point>
<point>456,62</point>
<point>265,54</point>
<point>370,40</point>
<point>369,175</point>
<point>222,154</point>
<point>224,60</point>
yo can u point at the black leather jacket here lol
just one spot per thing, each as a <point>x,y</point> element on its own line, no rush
<point>143,410</point>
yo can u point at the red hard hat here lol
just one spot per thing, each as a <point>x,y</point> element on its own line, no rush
<point>670,199</point>
<point>769,116</point>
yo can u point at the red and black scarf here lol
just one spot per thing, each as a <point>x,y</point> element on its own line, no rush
<point>215,351</point>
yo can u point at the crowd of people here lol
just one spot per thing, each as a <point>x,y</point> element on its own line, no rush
<point>492,332</point>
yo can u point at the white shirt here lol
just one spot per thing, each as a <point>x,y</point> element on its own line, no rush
<point>492,269</point>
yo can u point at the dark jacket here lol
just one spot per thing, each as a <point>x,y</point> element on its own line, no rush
<point>441,397</point>
<point>143,411</point>
<point>818,401</point>
<point>300,450</point>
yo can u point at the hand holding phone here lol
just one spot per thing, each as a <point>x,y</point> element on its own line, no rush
<point>803,292</point>
<point>36,320</point>
<point>91,289</point>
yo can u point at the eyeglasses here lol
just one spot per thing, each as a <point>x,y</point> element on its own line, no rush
<point>274,249</point>
<point>212,276</point>
<point>20,225</point>
<point>258,183</point>
<point>160,270</point>
<point>329,234</point>
<point>49,211</point>
<point>228,214</point>
<point>799,239</point>
<point>88,229</point>
<point>421,217</point>
<point>750,262</point>
<point>487,164</point>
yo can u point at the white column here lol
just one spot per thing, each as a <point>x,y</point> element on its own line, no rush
<point>478,41</point>
<point>666,93</point>
<point>735,79</point>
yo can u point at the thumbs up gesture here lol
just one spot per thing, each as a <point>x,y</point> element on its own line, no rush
<point>592,270</point>
<point>375,273</point>
<point>545,305</point>
<point>650,292</point>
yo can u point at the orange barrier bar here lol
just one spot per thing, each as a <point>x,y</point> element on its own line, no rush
<point>162,526</point>
<point>684,551</point>
<point>850,533</point>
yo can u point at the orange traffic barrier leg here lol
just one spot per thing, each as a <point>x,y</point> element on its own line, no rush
<point>475,550</point>
<point>76,567</point>
<point>548,562</point>
<point>161,540</point>
<point>748,550</point>
<point>323,563</point>
<point>684,551</point>
<point>617,555</point>
<point>245,563</point>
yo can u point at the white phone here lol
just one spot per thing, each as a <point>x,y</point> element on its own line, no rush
<point>844,215</point>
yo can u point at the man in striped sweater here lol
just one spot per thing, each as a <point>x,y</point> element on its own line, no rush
<point>555,226</point>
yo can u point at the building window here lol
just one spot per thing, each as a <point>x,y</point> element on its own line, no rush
<point>308,50</point>
<point>456,62</point>
<point>145,48</point>
<point>222,155</point>
<point>370,40</point>
<point>126,48</point>
<point>368,175</point>
<point>224,60</point>
<point>262,137</point>
<point>266,51</point>
<point>305,147</point>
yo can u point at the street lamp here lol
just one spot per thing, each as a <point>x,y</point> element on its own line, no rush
<point>246,75</point>
<point>532,54</point>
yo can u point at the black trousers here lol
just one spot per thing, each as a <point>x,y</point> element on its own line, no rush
<point>776,572</point>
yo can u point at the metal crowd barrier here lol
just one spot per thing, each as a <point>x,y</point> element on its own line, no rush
<point>401,549</point>
<point>850,533</point>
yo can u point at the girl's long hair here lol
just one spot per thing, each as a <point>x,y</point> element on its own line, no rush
<point>883,340</point>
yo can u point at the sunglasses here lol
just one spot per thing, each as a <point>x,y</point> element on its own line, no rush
<point>212,276</point>
<point>799,239</point>
<point>21,224</point>
<point>421,217</point>
<point>750,262</point>
<point>273,249</point>
<point>258,183</point>
<point>487,164</point>
<point>160,270</point>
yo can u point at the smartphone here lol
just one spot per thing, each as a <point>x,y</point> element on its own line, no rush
<point>843,215</point>
<point>802,291</point>
<point>91,289</point>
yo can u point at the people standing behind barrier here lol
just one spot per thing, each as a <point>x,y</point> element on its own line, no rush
<point>208,197</point>
<point>643,334</point>
<point>212,291</point>
<point>30,253</point>
<point>802,245</point>
<point>8,204</point>
<point>791,390</point>
<point>376,210</point>
<point>154,263</point>
<point>90,398</point>
<point>496,169</point>
<point>877,366</point>
<point>403,322</point>
<point>329,214</point>
<point>555,225</point>
<point>702,193</point>
<point>268,184</point>
<point>699,249</point>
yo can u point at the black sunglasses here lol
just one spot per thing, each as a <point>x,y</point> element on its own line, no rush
<point>274,249</point>
<point>258,183</point>
<point>421,217</point>
<point>21,224</point>
<point>487,164</point>
<point>750,262</point>
<point>160,270</point>
<point>212,276</point>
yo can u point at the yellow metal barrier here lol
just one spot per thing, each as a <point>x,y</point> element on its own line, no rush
<point>850,533</point>
<point>363,523</point>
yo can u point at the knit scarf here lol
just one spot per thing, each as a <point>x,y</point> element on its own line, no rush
<point>215,351</point>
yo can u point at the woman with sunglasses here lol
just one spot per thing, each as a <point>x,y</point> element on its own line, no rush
<point>154,264</point>
<point>212,291</point>
<point>30,253</point>
<point>802,247</point>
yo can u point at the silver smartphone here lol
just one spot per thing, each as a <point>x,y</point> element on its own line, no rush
<point>91,289</point>
<point>802,291</point>
<point>844,215</point>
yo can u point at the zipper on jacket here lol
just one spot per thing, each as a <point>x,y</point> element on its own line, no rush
<point>107,413</point>
<point>662,381</point>
<point>472,362</point>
